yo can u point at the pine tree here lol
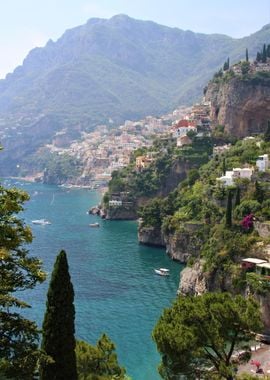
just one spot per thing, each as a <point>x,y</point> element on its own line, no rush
<point>247,59</point>
<point>237,197</point>
<point>228,221</point>
<point>58,326</point>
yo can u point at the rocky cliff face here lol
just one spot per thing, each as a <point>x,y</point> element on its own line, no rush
<point>195,281</point>
<point>242,106</point>
<point>182,245</point>
<point>150,236</point>
<point>192,281</point>
<point>121,213</point>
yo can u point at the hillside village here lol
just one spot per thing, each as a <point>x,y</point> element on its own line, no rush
<point>105,150</point>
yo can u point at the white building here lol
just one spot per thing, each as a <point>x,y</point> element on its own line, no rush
<point>182,131</point>
<point>227,179</point>
<point>230,176</point>
<point>262,163</point>
<point>115,203</point>
<point>243,173</point>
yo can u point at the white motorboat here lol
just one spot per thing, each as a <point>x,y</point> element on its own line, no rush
<point>94,225</point>
<point>42,222</point>
<point>162,271</point>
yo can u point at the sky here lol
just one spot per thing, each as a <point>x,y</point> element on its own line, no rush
<point>25,24</point>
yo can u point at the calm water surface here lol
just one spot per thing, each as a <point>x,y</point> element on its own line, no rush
<point>116,290</point>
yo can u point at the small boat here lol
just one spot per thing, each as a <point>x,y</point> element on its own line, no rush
<point>94,225</point>
<point>162,271</point>
<point>42,222</point>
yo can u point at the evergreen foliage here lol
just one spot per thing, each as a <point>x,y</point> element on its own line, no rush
<point>237,197</point>
<point>264,54</point>
<point>18,271</point>
<point>226,65</point>
<point>98,362</point>
<point>268,51</point>
<point>245,66</point>
<point>198,335</point>
<point>259,192</point>
<point>224,166</point>
<point>58,326</point>
<point>247,58</point>
<point>228,220</point>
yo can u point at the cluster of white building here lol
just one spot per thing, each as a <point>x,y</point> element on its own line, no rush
<point>230,176</point>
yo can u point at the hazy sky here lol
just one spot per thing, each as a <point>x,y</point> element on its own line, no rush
<point>26,24</point>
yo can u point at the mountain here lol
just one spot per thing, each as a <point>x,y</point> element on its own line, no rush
<point>114,69</point>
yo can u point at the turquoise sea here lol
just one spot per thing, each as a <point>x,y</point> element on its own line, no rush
<point>116,290</point>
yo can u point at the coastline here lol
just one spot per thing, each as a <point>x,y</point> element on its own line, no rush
<point>32,179</point>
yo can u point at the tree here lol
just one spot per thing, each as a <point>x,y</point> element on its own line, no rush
<point>267,132</point>
<point>200,334</point>
<point>226,65</point>
<point>247,59</point>
<point>246,207</point>
<point>259,56</point>
<point>224,166</point>
<point>18,335</point>
<point>259,192</point>
<point>264,54</point>
<point>228,221</point>
<point>58,326</point>
<point>98,362</point>
<point>268,51</point>
<point>245,66</point>
<point>237,197</point>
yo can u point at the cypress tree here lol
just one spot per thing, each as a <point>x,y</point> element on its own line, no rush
<point>264,54</point>
<point>237,197</point>
<point>247,59</point>
<point>259,57</point>
<point>228,221</point>
<point>259,192</point>
<point>268,51</point>
<point>224,166</point>
<point>58,326</point>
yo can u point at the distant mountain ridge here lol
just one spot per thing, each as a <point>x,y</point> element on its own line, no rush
<point>119,68</point>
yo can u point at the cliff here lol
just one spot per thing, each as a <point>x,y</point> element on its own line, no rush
<point>121,213</point>
<point>150,236</point>
<point>185,243</point>
<point>241,105</point>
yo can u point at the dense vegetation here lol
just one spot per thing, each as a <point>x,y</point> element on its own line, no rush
<point>18,271</point>
<point>160,177</point>
<point>219,210</point>
<point>197,336</point>
<point>98,362</point>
